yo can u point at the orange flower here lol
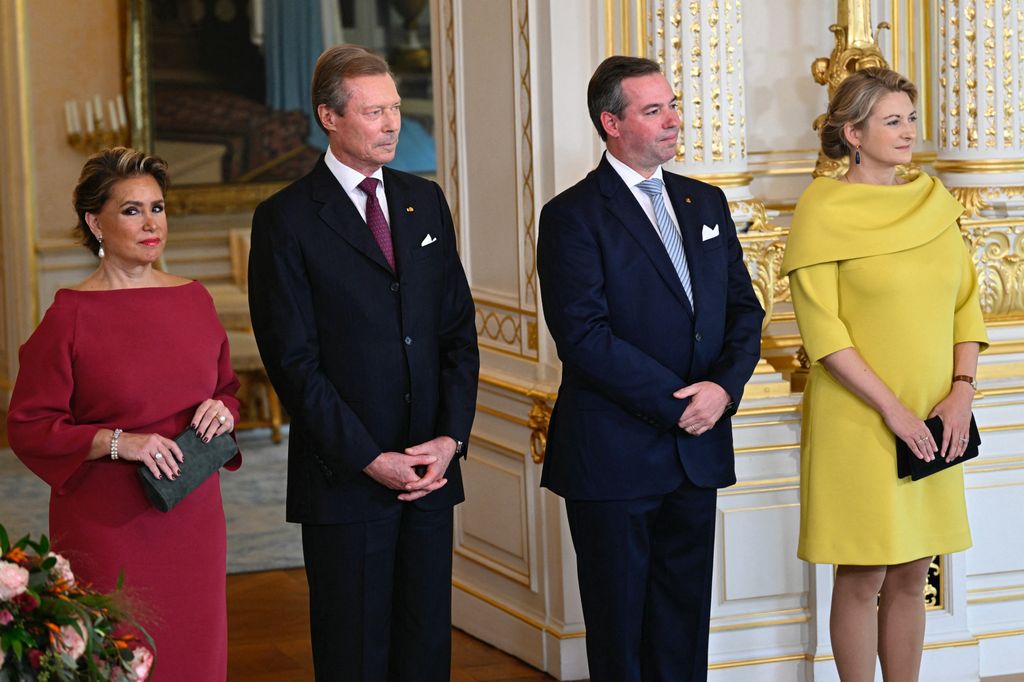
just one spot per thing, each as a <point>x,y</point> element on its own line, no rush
<point>16,554</point>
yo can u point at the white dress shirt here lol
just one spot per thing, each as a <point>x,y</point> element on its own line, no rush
<point>632,179</point>
<point>349,180</point>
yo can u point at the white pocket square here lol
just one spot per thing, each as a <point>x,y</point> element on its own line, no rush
<point>709,232</point>
<point>428,240</point>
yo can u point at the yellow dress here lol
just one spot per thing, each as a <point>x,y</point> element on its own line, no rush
<point>882,269</point>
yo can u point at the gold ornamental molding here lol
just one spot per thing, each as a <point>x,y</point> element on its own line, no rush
<point>219,199</point>
<point>976,199</point>
<point>526,160</point>
<point>726,179</point>
<point>979,165</point>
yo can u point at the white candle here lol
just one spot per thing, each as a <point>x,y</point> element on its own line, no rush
<point>122,116</point>
<point>89,128</point>
<point>98,103</point>
<point>67,117</point>
<point>75,122</point>
<point>113,115</point>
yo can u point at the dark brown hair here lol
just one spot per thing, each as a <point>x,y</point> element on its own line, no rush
<point>336,65</point>
<point>852,103</point>
<point>605,90</point>
<point>100,173</point>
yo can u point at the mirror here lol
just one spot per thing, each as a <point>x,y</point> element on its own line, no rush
<point>220,88</point>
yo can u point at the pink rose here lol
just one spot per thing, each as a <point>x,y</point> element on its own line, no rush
<point>61,570</point>
<point>5,617</point>
<point>13,580</point>
<point>142,661</point>
<point>70,642</point>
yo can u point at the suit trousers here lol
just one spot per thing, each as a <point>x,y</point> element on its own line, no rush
<point>644,568</point>
<point>380,596</point>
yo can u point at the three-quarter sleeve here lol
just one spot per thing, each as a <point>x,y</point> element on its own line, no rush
<point>815,292</point>
<point>968,322</point>
<point>41,428</point>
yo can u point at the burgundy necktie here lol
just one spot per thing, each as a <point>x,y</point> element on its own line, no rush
<point>375,220</point>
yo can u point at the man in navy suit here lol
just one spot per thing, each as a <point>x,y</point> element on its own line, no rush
<point>658,329</point>
<point>365,324</point>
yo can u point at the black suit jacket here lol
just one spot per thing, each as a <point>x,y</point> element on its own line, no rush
<point>364,361</point>
<point>628,337</point>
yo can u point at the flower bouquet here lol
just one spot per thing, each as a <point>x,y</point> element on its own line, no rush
<point>54,629</point>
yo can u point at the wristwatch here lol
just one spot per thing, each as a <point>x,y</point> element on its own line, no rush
<point>966,379</point>
<point>460,447</point>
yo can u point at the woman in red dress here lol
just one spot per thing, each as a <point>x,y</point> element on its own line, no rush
<point>119,366</point>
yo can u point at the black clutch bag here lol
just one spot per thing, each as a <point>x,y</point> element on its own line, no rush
<point>907,463</point>
<point>201,460</point>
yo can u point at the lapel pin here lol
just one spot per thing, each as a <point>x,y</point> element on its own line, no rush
<point>689,200</point>
<point>409,209</point>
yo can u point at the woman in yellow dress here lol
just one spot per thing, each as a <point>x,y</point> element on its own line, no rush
<point>886,299</point>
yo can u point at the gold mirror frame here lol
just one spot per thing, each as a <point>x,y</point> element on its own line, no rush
<point>236,197</point>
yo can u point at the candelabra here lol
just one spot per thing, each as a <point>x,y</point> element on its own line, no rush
<point>102,129</point>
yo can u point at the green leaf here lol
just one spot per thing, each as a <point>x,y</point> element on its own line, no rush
<point>5,542</point>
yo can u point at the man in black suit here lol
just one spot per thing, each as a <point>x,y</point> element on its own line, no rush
<point>658,329</point>
<point>365,323</point>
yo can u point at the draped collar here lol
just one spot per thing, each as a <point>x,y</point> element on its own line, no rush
<point>836,220</point>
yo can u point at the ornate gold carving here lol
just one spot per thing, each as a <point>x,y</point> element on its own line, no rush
<point>758,212</point>
<point>762,254</point>
<point>998,251</point>
<point>540,417</point>
<point>977,199</point>
<point>531,336</point>
<point>855,49</point>
<point>971,77</point>
<point>933,584</point>
<point>988,71</point>
<point>696,83</point>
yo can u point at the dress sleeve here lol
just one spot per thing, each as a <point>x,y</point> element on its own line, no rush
<point>41,426</point>
<point>968,322</point>
<point>226,392</point>
<point>815,291</point>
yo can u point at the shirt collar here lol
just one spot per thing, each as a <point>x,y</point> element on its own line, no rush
<point>628,175</point>
<point>347,177</point>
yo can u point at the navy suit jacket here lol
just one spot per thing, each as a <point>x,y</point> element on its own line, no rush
<point>363,360</point>
<point>628,338</point>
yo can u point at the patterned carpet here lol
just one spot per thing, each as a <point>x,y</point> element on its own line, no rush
<point>258,537</point>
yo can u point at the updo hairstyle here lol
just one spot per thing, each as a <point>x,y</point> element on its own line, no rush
<point>852,103</point>
<point>100,173</point>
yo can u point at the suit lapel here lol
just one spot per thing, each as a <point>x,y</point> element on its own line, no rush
<point>623,205</point>
<point>688,227</point>
<point>340,214</point>
<point>402,220</point>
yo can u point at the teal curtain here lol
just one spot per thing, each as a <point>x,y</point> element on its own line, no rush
<point>292,41</point>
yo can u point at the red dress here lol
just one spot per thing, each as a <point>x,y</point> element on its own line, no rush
<point>141,360</point>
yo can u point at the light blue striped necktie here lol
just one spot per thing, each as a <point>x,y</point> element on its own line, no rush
<point>669,233</point>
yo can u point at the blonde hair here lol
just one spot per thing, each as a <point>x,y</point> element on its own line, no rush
<point>852,103</point>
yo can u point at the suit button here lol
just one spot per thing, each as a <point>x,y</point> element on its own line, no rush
<point>698,336</point>
<point>394,286</point>
<point>408,340</point>
<point>408,397</point>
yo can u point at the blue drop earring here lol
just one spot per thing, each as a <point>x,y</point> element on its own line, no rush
<point>856,156</point>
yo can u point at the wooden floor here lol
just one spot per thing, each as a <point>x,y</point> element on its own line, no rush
<point>268,618</point>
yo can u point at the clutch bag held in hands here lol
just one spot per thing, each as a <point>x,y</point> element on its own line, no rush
<point>201,460</point>
<point>907,463</point>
